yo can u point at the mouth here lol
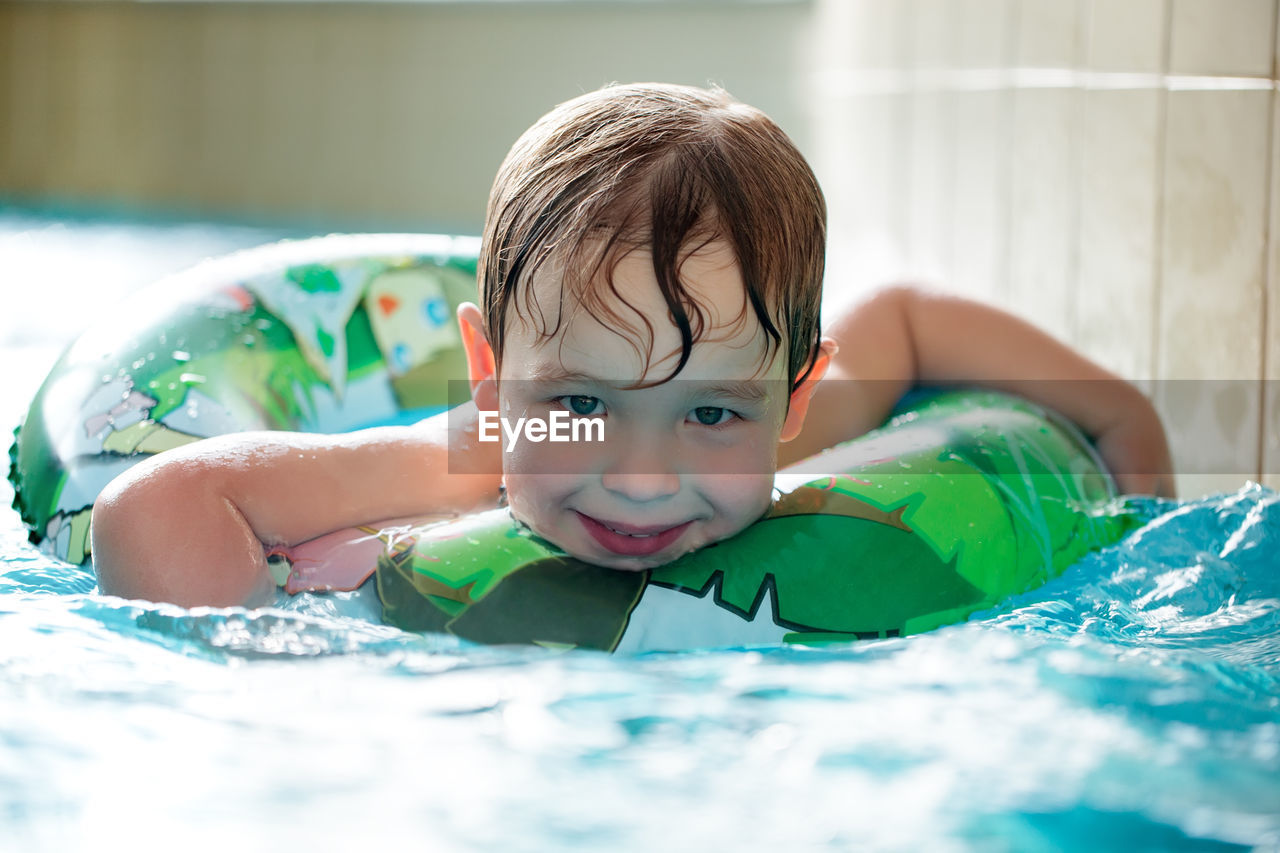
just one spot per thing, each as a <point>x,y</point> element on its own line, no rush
<point>630,540</point>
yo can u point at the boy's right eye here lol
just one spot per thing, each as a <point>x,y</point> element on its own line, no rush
<point>582,404</point>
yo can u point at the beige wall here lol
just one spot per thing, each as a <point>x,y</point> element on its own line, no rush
<point>1106,168</point>
<point>355,112</point>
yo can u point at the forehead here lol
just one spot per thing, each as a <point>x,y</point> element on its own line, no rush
<point>632,337</point>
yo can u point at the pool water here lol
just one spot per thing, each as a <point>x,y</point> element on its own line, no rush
<point>1131,704</point>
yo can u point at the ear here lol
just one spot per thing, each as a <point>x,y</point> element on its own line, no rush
<point>482,367</point>
<point>802,396</point>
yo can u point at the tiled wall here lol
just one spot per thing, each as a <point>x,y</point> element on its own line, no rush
<point>355,112</point>
<point>1105,168</point>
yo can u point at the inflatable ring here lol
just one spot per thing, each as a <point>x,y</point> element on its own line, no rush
<point>322,335</point>
<point>961,500</point>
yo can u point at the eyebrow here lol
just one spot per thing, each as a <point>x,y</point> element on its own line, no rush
<point>750,391</point>
<point>555,373</point>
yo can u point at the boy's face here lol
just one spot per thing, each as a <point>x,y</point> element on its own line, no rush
<point>684,463</point>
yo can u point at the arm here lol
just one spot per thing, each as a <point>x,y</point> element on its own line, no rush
<point>192,525</point>
<point>901,337</point>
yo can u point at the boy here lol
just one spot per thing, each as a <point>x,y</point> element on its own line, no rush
<point>635,236</point>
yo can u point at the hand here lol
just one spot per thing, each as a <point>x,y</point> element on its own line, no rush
<point>1137,452</point>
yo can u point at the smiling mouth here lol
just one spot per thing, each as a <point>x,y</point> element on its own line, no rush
<point>630,540</point>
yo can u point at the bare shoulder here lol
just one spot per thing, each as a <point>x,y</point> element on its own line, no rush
<point>294,486</point>
<point>221,501</point>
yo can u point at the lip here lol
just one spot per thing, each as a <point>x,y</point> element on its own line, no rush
<point>631,540</point>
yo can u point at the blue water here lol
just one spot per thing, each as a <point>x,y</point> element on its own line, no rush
<point>1132,704</point>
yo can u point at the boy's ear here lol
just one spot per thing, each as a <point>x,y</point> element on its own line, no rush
<point>802,396</point>
<point>482,367</point>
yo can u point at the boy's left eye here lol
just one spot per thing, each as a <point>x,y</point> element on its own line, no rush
<point>581,404</point>
<point>711,415</point>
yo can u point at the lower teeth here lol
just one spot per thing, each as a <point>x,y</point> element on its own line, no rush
<point>634,535</point>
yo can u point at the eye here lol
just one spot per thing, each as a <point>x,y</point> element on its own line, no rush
<point>582,404</point>
<point>712,415</point>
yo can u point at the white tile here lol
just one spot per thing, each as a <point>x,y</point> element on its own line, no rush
<point>59,143</point>
<point>975,137</point>
<point>30,93</point>
<point>930,183</point>
<point>231,92</point>
<point>1043,215</point>
<point>283,158</point>
<point>1050,33</point>
<point>1118,252</point>
<point>1214,232</point>
<point>1045,166</point>
<point>932,42</point>
<point>396,128</point>
<point>984,33</point>
<point>1211,293</point>
<point>1271,422</point>
<point>1213,431</point>
<point>8,73</point>
<point>861,33</point>
<point>980,225</point>
<point>97,139</point>
<point>161,106</point>
<point>863,178</point>
<point>1227,37</point>
<point>1127,35</point>
<point>11,123</point>
<point>401,82</point>
<point>1271,338</point>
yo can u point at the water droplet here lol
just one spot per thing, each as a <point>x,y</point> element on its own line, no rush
<point>181,355</point>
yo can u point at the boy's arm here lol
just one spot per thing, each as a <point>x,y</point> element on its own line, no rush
<point>192,525</point>
<point>902,337</point>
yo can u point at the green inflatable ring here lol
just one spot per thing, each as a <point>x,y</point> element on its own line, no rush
<point>322,335</point>
<point>961,500</point>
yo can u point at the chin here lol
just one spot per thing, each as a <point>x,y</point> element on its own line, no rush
<point>618,562</point>
<point>628,563</point>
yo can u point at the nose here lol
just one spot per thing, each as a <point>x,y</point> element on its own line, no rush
<point>641,471</point>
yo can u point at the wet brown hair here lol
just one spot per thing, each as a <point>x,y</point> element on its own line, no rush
<point>668,168</point>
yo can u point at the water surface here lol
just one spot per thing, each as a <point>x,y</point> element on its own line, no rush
<point>1133,703</point>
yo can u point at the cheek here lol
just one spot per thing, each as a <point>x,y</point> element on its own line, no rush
<point>752,454</point>
<point>744,496</point>
<point>739,480</point>
<point>534,500</point>
<point>540,476</point>
<point>549,459</point>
